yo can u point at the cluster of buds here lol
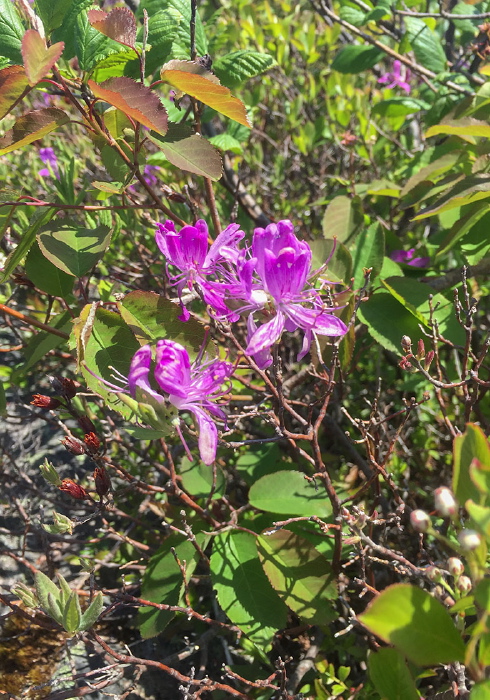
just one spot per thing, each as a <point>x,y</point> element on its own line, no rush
<point>90,444</point>
<point>66,388</point>
<point>421,356</point>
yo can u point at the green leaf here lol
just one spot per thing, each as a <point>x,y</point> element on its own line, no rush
<point>41,343</point>
<point>356,59</point>
<point>11,31</point>
<point>477,219</point>
<point>480,691</point>
<point>340,265</point>
<point>390,675</point>
<point>388,321</point>
<point>52,12</point>
<point>39,219</point>
<point>32,126</point>
<point>72,613</point>
<point>369,250</point>
<point>432,172</point>
<point>243,590</point>
<point>353,15</point>
<point>198,478</point>
<point>110,344</point>
<point>472,444</point>
<point>399,107</point>
<point>44,588</point>
<point>342,218</point>
<point>466,127</point>
<point>65,589</point>
<point>152,317</point>
<point>46,276</point>
<point>189,152</point>
<point>236,67</point>
<point>90,45</point>
<point>181,11</point>
<point>289,493</point>
<point>54,608</point>
<point>73,249</point>
<point>226,142</point>
<point>426,45</point>
<point>300,575</point>
<point>480,518</point>
<point>113,66</point>
<point>162,583</point>
<point>259,460</point>
<point>67,31</point>
<point>416,624</point>
<point>3,400</point>
<point>91,614</point>
<point>468,190</point>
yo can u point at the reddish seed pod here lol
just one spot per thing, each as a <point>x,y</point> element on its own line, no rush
<point>92,442</point>
<point>102,481</point>
<point>86,424</point>
<point>46,402</point>
<point>74,445</point>
<point>74,489</point>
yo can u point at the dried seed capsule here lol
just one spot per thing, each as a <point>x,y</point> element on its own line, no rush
<point>74,489</point>
<point>46,402</point>
<point>102,481</point>
<point>74,445</point>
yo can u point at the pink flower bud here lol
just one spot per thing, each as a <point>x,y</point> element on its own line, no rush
<point>445,502</point>
<point>420,520</point>
<point>463,584</point>
<point>433,573</point>
<point>455,566</point>
<point>469,539</point>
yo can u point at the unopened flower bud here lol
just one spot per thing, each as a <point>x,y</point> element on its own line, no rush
<point>406,343</point>
<point>433,573</point>
<point>74,445</point>
<point>420,349</point>
<point>28,597</point>
<point>86,425</point>
<point>420,520</point>
<point>102,481</point>
<point>49,473</point>
<point>463,584</point>
<point>74,489</point>
<point>46,402</point>
<point>92,442</point>
<point>428,359</point>
<point>455,566</point>
<point>405,364</point>
<point>469,539</point>
<point>445,502</point>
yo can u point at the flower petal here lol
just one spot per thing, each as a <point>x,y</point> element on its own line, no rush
<point>139,371</point>
<point>173,368</point>
<point>266,335</point>
<point>225,245</point>
<point>315,320</point>
<point>208,435</point>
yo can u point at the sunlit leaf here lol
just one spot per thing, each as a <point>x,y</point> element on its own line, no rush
<point>189,152</point>
<point>32,126</point>
<point>119,24</point>
<point>390,674</point>
<point>74,249</point>
<point>134,99</point>
<point>13,82</point>
<point>289,493</point>
<point>11,31</point>
<point>38,58</point>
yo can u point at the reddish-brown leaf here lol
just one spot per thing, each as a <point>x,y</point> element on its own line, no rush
<point>13,82</point>
<point>32,126</point>
<point>134,99</point>
<point>38,58</point>
<point>188,77</point>
<point>119,24</point>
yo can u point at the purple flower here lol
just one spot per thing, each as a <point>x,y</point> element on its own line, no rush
<point>275,280</point>
<point>406,256</point>
<point>149,175</point>
<point>48,156</point>
<point>395,77</point>
<point>188,250</point>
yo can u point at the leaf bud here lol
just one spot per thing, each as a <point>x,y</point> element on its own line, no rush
<point>469,539</point>
<point>74,489</point>
<point>49,473</point>
<point>92,442</point>
<point>445,502</point>
<point>46,402</point>
<point>428,359</point>
<point>102,481</point>
<point>455,566</point>
<point>74,445</point>
<point>420,521</point>
<point>28,597</point>
<point>406,343</point>
<point>420,349</point>
<point>60,525</point>
<point>433,573</point>
<point>463,584</point>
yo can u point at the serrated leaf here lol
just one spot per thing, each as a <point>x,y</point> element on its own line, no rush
<point>92,613</point>
<point>113,66</point>
<point>352,15</point>
<point>189,152</point>
<point>52,12</point>
<point>189,78</point>
<point>426,45</point>
<point>71,31</point>
<point>119,24</point>
<point>391,676</point>
<point>13,83</point>
<point>355,59</point>
<point>32,126</point>
<point>72,613</point>
<point>238,66</point>
<point>416,624</point>
<point>73,249</point>
<point>299,574</point>
<point>11,31</point>
<point>243,590</point>
<point>38,58</point>
<point>134,99</point>
<point>289,493</point>
<point>90,45</point>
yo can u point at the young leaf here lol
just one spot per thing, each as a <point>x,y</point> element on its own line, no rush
<point>390,675</point>
<point>119,24</point>
<point>288,493</point>
<point>190,78</point>
<point>65,590</point>
<point>38,58</point>
<point>134,99</point>
<point>54,608</point>
<point>243,590</point>
<point>189,152</point>
<point>237,66</point>
<point>416,624</point>
<point>73,249</point>
<point>90,45</point>
<point>72,613</point>
<point>32,126</point>
<point>13,83</point>
<point>91,614</point>
<point>299,574</point>
<point>113,66</point>
<point>11,31</point>
<point>48,594</point>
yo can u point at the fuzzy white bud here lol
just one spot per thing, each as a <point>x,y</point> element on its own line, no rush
<point>463,584</point>
<point>445,502</point>
<point>420,521</point>
<point>455,566</point>
<point>433,573</point>
<point>469,539</point>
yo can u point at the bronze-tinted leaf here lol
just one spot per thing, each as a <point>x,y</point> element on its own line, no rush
<point>13,82</point>
<point>119,24</point>
<point>32,126</point>
<point>183,76</point>
<point>134,99</point>
<point>38,58</point>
